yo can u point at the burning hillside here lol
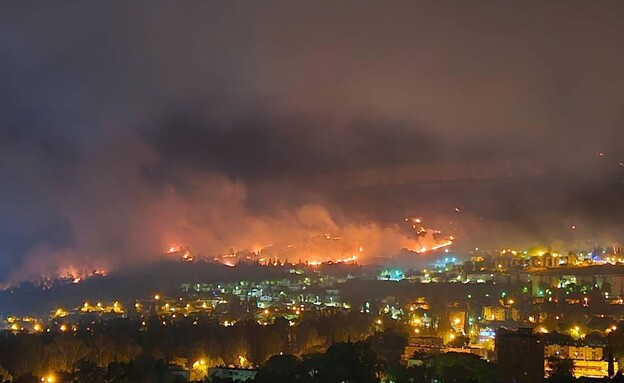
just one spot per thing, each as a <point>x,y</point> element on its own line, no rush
<point>357,244</point>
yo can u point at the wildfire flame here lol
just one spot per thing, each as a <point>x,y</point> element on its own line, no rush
<point>179,250</point>
<point>328,247</point>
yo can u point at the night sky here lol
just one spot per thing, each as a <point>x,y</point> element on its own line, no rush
<point>126,126</point>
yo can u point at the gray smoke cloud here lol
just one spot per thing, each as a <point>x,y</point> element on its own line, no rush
<point>125,126</point>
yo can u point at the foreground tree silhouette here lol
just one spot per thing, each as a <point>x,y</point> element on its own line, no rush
<point>280,369</point>
<point>5,376</point>
<point>562,370</point>
<point>454,367</point>
<point>64,352</point>
<point>342,362</point>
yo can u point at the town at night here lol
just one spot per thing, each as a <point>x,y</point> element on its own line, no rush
<point>315,192</point>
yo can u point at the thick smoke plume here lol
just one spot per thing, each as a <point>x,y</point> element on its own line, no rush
<point>229,127</point>
<point>122,215</point>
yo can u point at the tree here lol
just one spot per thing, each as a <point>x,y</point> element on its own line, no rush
<point>459,341</point>
<point>279,369</point>
<point>142,369</point>
<point>464,368</point>
<point>345,333</point>
<point>88,371</point>
<point>125,349</point>
<point>311,341</point>
<point>101,350</point>
<point>27,378</point>
<point>616,341</point>
<point>64,352</point>
<point>417,374</point>
<point>204,355</point>
<point>27,356</point>
<point>595,338</point>
<point>236,350</point>
<point>389,346</point>
<point>199,370</point>
<point>5,376</point>
<point>271,344</point>
<point>343,362</point>
<point>562,370</point>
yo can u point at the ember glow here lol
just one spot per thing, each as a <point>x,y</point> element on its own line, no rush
<point>77,275</point>
<point>181,251</point>
<point>66,274</point>
<point>360,244</point>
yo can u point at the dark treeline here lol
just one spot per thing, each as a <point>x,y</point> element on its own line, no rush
<point>122,341</point>
<point>320,348</point>
<point>365,362</point>
<point>119,351</point>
